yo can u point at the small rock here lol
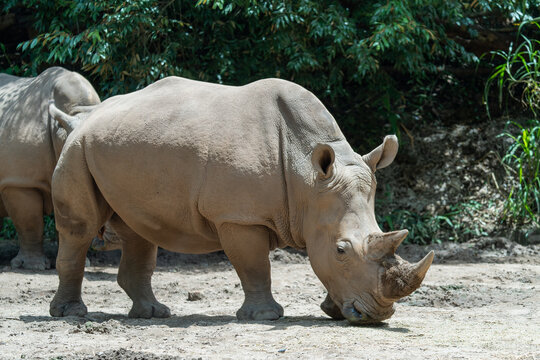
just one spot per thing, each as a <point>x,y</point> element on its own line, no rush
<point>194,296</point>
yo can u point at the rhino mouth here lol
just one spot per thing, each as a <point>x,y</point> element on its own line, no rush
<point>356,314</point>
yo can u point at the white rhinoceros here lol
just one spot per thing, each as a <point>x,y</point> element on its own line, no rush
<point>30,144</point>
<point>195,167</point>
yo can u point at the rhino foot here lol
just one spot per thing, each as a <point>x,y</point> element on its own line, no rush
<point>267,311</point>
<point>75,308</point>
<point>147,310</point>
<point>331,309</point>
<point>30,262</point>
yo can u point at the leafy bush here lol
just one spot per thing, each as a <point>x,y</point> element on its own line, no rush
<point>7,229</point>
<point>518,74</point>
<point>49,228</point>
<point>318,43</point>
<point>375,64</point>
<point>434,228</point>
<point>423,228</point>
<point>523,160</point>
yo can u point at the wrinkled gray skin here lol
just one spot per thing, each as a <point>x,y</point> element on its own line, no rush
<point>30,145</point>
<point>196,167</point>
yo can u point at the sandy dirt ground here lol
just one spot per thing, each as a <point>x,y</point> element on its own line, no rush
<point>471,310</point>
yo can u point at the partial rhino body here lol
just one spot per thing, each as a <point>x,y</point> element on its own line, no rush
<point>195,167</point>
<point>30,145</point>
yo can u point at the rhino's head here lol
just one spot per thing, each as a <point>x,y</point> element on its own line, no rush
<point>351,256</point>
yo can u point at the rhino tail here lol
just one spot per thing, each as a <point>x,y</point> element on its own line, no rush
<point>68,122</point>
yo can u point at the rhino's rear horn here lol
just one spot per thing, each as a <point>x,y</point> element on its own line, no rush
<point>382,244</point>
<point>401,280</point>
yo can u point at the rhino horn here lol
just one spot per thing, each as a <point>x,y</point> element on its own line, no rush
<point>68,122</point>
<point>402,279</point>
<point>382,244</point>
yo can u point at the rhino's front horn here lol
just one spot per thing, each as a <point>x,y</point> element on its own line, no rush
<point>402,279</point>
<point>382,244</point>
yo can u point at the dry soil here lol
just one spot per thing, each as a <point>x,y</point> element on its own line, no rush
<point>480,310</point>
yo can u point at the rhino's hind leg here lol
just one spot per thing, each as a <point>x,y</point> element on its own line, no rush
<point>25,207</point>
<point>70,266</point>
<point>80,211</point>
<point>135,273</point>
<point>247,248</point>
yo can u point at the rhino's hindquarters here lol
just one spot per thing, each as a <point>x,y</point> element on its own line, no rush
<point>80,211</point>
<point>25,207</point>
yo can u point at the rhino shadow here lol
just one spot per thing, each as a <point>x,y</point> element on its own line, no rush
<point>186,321</point>
<point>99,276</point>
<point>98,317</point>
<point>323,321</point>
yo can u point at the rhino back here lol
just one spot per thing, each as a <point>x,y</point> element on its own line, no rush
<point>182,156</point>
<point>25,144</point>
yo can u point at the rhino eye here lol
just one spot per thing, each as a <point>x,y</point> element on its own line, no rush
<point>343,246</point>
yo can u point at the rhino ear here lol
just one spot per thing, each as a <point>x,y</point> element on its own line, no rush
<point>68,122</point>
<point>382,155</point>
<point>323,158</point>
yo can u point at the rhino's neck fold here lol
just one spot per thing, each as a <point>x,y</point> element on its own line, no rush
<point>296,179</point>
<point>304,123</point>
<point>288,223</point>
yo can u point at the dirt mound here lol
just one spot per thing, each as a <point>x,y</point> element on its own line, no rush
<point>485,250</point>
<point>123,354</point>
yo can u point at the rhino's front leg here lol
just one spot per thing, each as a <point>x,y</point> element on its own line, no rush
<point>25,207</point>
<point>247,248</point>
<point>135,273</point>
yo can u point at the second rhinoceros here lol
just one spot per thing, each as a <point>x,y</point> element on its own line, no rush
<point>30,144</point>
<point>195,167</point>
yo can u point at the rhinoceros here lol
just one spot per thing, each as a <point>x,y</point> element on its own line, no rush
<point>30,145</point>
<point>197,167</point>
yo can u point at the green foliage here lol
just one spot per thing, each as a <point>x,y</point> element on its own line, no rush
<point>518,74</point>
<point>375,64</point>
<point>423,228</point>
<point>427,228</point>
<point>523,160</point>
<point>7,230</point>
<point>354,55</point>
<point>49,228</point>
